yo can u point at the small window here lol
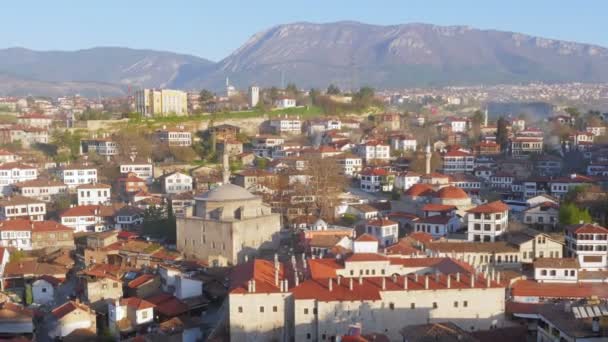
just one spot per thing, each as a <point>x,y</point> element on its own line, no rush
<point>455,304</point>
<point>323,337</point>
<point>314,311</point>
<point>306,311</point>
<point>308,336</point>
<point>261,309</point>
<point>240,309</point>
<point>391,306</point>
<point>434,305</point>
<point>465,304</point>
<point>44,290</point>
<point>412,305</point>
<point>274,309</point>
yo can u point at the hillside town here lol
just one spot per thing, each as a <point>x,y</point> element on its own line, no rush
<point>283,214</point>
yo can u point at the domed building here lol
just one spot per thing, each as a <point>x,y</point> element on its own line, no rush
<point>228,225</point>
<point>451,195</point>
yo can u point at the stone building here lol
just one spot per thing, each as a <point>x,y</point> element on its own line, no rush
<point>227,225</point>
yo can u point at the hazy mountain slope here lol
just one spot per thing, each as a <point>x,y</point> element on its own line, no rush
<point>412,54</point>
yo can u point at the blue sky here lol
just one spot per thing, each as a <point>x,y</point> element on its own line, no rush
<point>213,29</point>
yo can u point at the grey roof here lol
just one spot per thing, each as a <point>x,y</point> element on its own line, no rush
<point>226,192</point>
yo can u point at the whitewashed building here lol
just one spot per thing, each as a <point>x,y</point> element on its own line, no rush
<point>175,183</point>
<point>15,172</point>
<point>93,194</point>
<point>487,222</point>
<point>76,175</point>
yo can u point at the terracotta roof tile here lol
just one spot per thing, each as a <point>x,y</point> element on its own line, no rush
<point>488,208</point>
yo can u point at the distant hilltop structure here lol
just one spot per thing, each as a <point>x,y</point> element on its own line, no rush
<point>151,102</point>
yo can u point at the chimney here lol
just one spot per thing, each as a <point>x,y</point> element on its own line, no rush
<point>458,277</point>
<point>331,284</point>
<point>472,279</point>
<point>383,283</point>
<point>276,276</point>
<point>416,277</point>
<point>350,284</point>
<point>253,285</point>
<point>297,279</point>
<point>498,278</point>
<point>246,258</point>
<point>394,278</point>
<point>304,260</point>
<point>338,280</point>
<point>249,286</point>
<point>426,282</point>
<point>405,282</point>
<point>360,280</point>
<point>488,282</point>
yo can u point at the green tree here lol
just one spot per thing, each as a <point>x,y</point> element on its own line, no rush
<point>29,298</point>
<point>205,96</point>
<point>569,213</point>
<point>313,94</point>
<point>333,90</point>
<point>292,90</point>
<point>261,163</point>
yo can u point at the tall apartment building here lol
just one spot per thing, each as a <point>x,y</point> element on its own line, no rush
<point>253,96</point>
<point>150,102</point>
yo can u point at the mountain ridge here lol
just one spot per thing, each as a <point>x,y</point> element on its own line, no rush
<point>347,53</point>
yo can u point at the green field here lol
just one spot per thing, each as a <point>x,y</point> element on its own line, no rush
<point>303,112</point>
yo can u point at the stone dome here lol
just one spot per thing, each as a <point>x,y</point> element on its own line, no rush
<point>226,192</point>
<point>451,192</point>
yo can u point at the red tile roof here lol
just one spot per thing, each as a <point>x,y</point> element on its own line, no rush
<point>587,228</point>
<point>529,288</point>
<point>381,222</point>
<point>366,238</point>
<point>437,219</point>
<point>419,190</point>
<point>438,207</point>
<point>35,226</point>
<point>451,192</point>
<point>262,271</point>
<point>370,287</point>
<point>362,257</point>
<point>136,303</point>
<point>423,237</point>
<point>323,268</point>
<point>488,208</point>
<point>67,308</point>
<point>139,281</point>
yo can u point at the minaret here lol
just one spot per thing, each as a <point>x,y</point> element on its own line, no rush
<point>226,170</point>
<point>485,118</point>
<point>427,155</point>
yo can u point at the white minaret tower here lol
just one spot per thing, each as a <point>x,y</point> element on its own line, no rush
<point>427,155</point>
<point>226,170</point>
<point>485,118</point>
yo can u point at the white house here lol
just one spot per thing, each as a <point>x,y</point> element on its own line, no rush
<point>128,314</point>
<point>458,125</point>
<point>15,172</point>
<point>175,183</point>
<point>350,164</point>
<point>543,214</point>
<point>285,124</point>
<point>556,270</point>
<point>376,179</point>
<point>487,222</point>
<point>174,137</point>
<point>384,230</point>
<point>561,186</point>
<point>405,180</point>
<point>103,147</point>
<point>438,225</point>
<point>143,170</point>
<point>40,189</point>
<point>8,157</point>
<point>76,175</point>
<point>457,161</point>
<point>188,287</point>
<point>374,150</point>
<point>403,143</point>
<point>43,289</point>
<point>83,218</point>
<point>284,102</point>
<point>19,207</point>
<point>93,194</point>
<point>588,243</point>
<point>73,316</point>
